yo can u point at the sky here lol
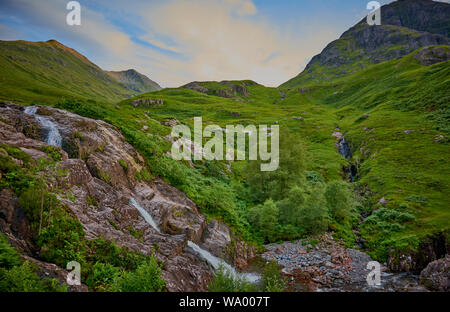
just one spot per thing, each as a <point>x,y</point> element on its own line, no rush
<point>174,42</point>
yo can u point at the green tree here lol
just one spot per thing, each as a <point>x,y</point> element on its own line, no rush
<point>265,218</point>
<point>290,207</point>
<point>338,199</point>
<point>314,214</point>
<point>276,184</point>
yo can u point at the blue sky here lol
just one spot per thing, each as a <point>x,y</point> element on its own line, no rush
<point>177,41</point>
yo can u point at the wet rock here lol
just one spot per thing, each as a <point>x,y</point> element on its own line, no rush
<point>216,232</point>
<point>436,276</point>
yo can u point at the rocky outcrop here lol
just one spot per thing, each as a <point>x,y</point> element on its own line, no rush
<point>101,178</point>
<point>195,86</point>
<point>229,89</point>
<point>430,248</point>
<point>405,27</point>
<point>436,276</point>
<point>50,270</point>
<point>432,55</point>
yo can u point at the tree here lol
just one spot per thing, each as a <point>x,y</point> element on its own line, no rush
<point>338,199</point>
<point>276,184</point>
<point>265,218</point>
<point>290,207</point>
<point>314,214</point>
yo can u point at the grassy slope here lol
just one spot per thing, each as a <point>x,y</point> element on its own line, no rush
<point>47,71</point>
<point>399,95</point>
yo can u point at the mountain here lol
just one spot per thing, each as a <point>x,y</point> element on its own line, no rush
<point>135,81</point>
<point>406,26</point>
<point>48,71</point>
<point>363,165</point>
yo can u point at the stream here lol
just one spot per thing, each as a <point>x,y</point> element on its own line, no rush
<point>214,261</point>
<point>52,135</point>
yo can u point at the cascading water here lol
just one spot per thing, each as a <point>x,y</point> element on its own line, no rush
<point>344,150</point>
<point>53,136</point>
<point>216,263</point>
<point>147,217</point>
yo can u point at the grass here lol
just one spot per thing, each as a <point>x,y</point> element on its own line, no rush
<point>372,107</point>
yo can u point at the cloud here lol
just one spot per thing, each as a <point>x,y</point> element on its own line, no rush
<point>222,43</point>
<point>181,41</point>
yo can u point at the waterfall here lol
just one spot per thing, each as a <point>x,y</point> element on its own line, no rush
<point>344,149</point>
<point>53,136</point>
<point>147,217</point>
<point>216,263</point>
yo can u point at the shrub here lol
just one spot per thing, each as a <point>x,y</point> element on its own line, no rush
<point>22,278</point>
<point>9,257</point>
<point>146,278</point>
<point>62,240</point>
<point>102,277</point>
<point>224,281</point>
<point>338,199</point>
<point>314,214</point>
<point>272,279</point>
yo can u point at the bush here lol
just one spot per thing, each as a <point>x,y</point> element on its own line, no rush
<point>314,214</point>
<point>9,257</point>
<point>224,281</point>
<point>146,278</point>
<point>338,199</point>
<point>265,218</point>
<point>272,279</point>
<point>102,277</point>
<point>23,279</point>
<point>62,240</point>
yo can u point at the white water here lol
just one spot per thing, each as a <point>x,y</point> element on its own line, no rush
<point>53,137</point>
<point>216,263</point>
<point>147,217</point>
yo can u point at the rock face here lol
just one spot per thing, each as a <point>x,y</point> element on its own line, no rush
<point>102,169</point>
<point>406,26</point>
<point>229,89</point>
<point>432,55</point>
<point>436,276</point>
<point>430,249</point>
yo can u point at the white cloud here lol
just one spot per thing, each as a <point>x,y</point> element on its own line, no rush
<point>211,40</point>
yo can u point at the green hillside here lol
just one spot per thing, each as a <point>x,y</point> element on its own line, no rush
<point>394,115</point>
<point>47,71</point>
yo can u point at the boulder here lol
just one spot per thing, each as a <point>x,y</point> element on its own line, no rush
<point>436,276</point>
